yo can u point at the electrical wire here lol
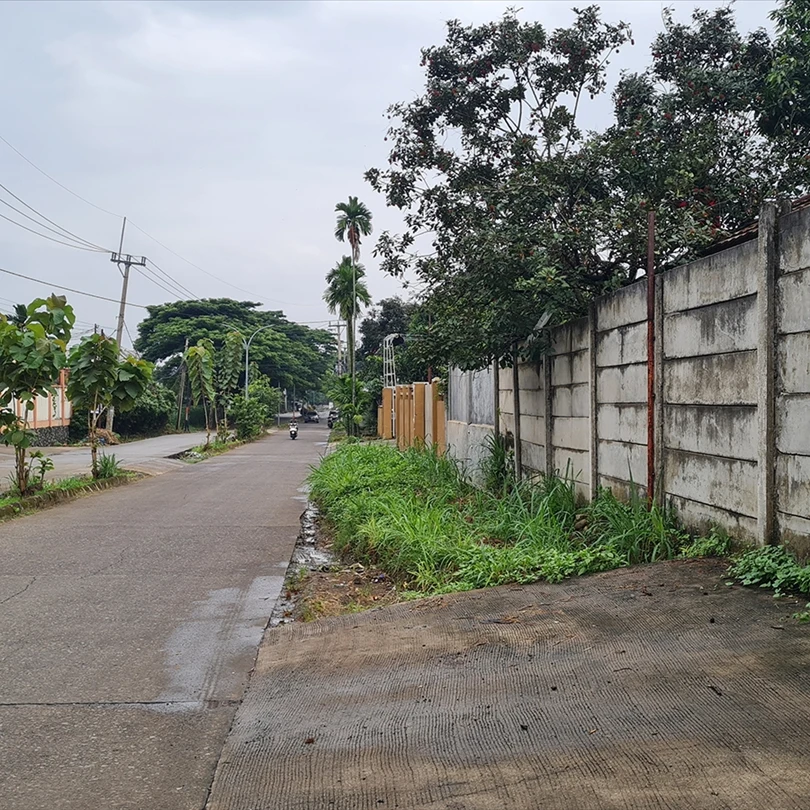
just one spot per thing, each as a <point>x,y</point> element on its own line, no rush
<point>172,279</point>
<point>42,216</point>
<point>78,242</point>
<point>54,180</point>
<point>69,289</point>
<point>145,233</point>
<point>50,238</point>
<point>155,281</point>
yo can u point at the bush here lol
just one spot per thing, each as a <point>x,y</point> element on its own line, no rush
<point>108,466</point>
<point>262,391</point>
<point>151,415</point>
<point>248,417</point>
<point>772,567</point>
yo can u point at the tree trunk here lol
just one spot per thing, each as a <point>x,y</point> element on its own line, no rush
<point>92,423</point>
<point>22,469</point>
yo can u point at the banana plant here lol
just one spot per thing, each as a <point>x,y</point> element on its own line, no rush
<point>200,364</point>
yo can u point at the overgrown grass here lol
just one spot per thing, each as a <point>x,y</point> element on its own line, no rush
<point>413,515</point>
<point>62,485</point>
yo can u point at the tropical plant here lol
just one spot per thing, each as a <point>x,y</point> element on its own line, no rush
<point>32,353</point>
<point>353,222</point>
<point>99,379</point>
<point>262,390</point>
<point>108,466</point>
<point>345,291</point>
<point>200,364</point>
<point>227,365</point>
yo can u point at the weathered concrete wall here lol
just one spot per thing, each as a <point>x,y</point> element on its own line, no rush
<point>732,380</point>
<point>792,418</point>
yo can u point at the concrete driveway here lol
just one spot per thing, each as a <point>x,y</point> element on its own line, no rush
<point>150,456</point>
<point>653,688</point>
<point>130,621</point>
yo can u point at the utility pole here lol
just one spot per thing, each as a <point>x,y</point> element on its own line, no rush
<point>127,261</point>
<point>337,325</point>
<point>182,392</point>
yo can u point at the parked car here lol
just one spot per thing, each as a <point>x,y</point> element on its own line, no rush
<point>311,416</point>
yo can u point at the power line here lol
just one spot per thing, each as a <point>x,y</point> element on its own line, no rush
<point>50,238</point>
<point>149,235</point>
<point>156,282</point>
<point>67,289</point>
<point>42,216</point>
<point>172,279</point>
<point>79,242</point>
<point>54,180</point>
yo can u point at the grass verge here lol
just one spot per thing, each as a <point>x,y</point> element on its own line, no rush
<point>54,492</point>
<point>412,515</point>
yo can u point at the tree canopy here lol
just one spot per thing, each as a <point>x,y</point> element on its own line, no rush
<point>288,353</point>
<point>513,214</point>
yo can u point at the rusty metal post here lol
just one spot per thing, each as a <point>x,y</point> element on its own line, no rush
<point>650,356</point>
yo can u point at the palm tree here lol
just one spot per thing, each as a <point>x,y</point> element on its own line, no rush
<point>345,291</point>
<point>353,221</point>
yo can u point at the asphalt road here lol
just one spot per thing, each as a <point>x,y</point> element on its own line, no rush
<point>150,456</point>
<point>129,623</point>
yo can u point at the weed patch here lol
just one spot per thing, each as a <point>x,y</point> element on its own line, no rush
<point>412,514</point>
<point>772,567</point>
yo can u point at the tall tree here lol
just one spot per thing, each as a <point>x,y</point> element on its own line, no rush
<point>353,222</point>
<point>345,293</point>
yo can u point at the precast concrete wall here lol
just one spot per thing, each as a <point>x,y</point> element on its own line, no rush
<point>731,382</point>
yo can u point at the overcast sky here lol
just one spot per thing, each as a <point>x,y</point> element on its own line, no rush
<point>227,130</point>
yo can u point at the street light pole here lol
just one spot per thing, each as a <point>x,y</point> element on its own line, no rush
<point>246,344</point>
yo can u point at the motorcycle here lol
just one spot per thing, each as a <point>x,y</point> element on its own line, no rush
<point>293,431</point>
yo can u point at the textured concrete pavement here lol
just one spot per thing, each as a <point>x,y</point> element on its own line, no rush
<point>129,622</point>
<point>652,688</point>
<point>149,456</point>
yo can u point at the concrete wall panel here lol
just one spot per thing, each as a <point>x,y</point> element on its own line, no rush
<point>570,368</point>
<point>573,466</point>
<point>530,377</point>
<point>621,346</point>
<point>573,433</point>
<point>793,424</point>
<point>793,302</point>
<point>794,246</point>
<point>793,363</point>
<point>720,277</point>
<point>533,429</point>
<point>793,484</point>
<point>730,431</point>
<point>534,456</point>
<point>482,396</point>
<point>625,306</point>
<point>794,532</point>
<point>623,423</point>
<point>572,400</point>
<point>730,326</point>
<point>622,384</point>
<point>622,461</point>
<point>724,483</point>
<point>700,518</point>
<point>720,379</point>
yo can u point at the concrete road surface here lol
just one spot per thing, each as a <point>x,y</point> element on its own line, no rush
<point>651,688</point>
<point>150,456</point>
<point>129,622</point>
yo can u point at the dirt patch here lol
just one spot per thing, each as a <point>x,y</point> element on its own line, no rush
<point>319,584</point>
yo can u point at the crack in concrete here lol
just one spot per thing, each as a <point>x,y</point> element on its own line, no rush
<point>18,593</point>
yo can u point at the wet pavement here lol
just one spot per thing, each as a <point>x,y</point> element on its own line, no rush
<point>130,621</point>
<point>652,688</point>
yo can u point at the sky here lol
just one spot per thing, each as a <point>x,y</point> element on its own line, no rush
<point>227,131</point>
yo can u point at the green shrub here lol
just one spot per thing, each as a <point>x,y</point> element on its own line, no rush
<point>154,411</point>
<point>772,567</point>
<point>248,417</point>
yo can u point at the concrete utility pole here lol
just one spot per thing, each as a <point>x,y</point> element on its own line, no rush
<point>127,261</point>
<point>337,325</point>
<point>182,392</point>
